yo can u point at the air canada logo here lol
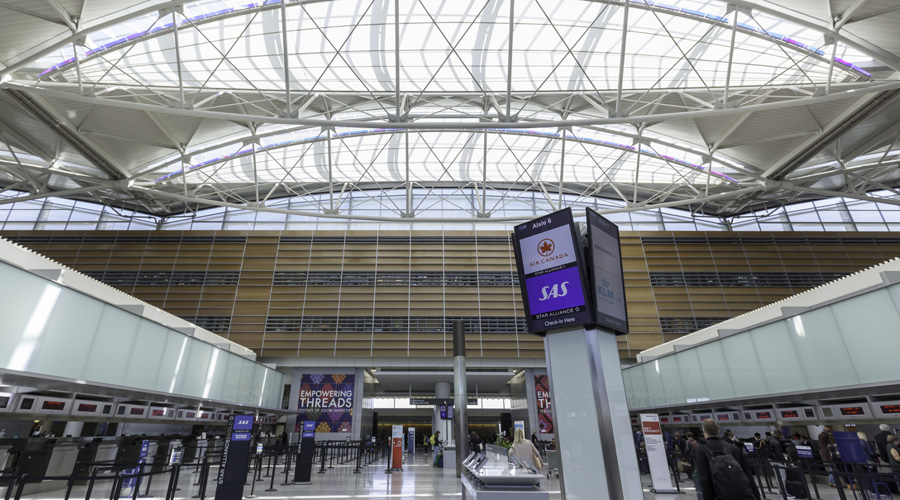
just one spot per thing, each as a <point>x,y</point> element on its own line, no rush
<point>546,247</point>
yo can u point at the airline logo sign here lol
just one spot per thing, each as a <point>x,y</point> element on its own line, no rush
<point>550,273</point>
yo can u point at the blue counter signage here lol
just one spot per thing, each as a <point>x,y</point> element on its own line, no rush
<point>804,451</point>
<point>309,428</point>
<point>551,273</point>
<point>235,459</point>
<point>607,282</point>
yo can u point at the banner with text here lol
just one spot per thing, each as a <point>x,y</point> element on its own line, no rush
<point>326,399</point>
<point>656,453</point>
<point>544,410</point>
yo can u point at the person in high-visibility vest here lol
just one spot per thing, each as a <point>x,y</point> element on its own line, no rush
<point>436,445</point>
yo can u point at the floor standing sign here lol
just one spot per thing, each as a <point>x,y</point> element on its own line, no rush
<point>303,473</point>
<point>396,448</point>
<point>656,453</point>
<point>411,441</point>
<point>235,458</point>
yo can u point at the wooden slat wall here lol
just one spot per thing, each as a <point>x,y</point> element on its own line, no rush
<point>258,255</point>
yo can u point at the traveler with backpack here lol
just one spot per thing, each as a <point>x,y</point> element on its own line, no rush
<point>436,446</point>
<point>722,473</point>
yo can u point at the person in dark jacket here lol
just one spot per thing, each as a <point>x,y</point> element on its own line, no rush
<point>881,441</point>
<point>893,452</point>
<point>711,446</point>
<point>776,455</point>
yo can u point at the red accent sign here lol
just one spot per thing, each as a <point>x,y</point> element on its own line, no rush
<point>890,409</point>
<point>763,414</point>
<point>87,408</point>
<point>158,413</point>
<point>53,405</point>
<point>790,414</point>
<point>852,410</point>
<point>137,411</point>
<point>721,417</point>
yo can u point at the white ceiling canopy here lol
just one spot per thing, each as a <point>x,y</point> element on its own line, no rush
<point>712,107</point>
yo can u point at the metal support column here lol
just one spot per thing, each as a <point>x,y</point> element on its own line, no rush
<point>460,420</point>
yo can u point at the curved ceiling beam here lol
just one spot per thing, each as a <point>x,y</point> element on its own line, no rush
<point>423,125</point>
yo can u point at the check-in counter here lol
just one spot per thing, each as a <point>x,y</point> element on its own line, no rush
<point>48,459</point>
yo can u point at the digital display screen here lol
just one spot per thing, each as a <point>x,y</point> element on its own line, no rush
<point>53,405</point>
<point>87,408</point>
<point>548,259</point>
<point>676,419</point>
<point>721,417</point>
<point>4,401</point>
<point>763,414</point>
<point>809,412</point>
<point>890,409</point>
<point>137,411</point>
<point>664,420</point>
<point>158,413</point>
<point>204,415</point>
<point>852,410</point>
<point>26,404</point>
<point>120,410</point>
<point>607,282</point>
<point>189,414</point>
<point>790,414</point>
<point>107,409</point>
<point>826,411</point>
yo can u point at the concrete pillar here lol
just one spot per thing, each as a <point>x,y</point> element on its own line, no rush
<point>73,429</point>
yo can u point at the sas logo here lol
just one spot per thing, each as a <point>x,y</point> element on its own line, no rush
<point>554,292</point>
<point>546,247</point>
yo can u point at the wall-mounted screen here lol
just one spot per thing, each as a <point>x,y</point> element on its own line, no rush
<point>721,417</point>
<point>763,415</point>
<point>852,410</point>
<point>890,409</point>
<point>158,413</point>
<point>137,411</point>
<point>789,414</point>
<point>53,405</point>
<point>87,408</point>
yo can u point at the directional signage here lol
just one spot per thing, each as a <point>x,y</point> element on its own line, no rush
<point>439,401</point>
<point>607,283</point>
<point>548,258</point>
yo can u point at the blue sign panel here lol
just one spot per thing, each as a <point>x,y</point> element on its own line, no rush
<point>243,422</point>
<point>309,428</point>
<point>240,436</point>
<point>443,411</point>
<point>804,451</point>
<point>551,273</point>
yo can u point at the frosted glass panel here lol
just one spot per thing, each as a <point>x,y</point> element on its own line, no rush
<point>674,393</point>
<point>746,375</point>
<point>194,371</point>
<point>868,324</point>
<point>715,371</point>
<point>777,358</point>
<point>821,349</point>
<point>639,386</point>
<point>246,386</point>
<point>146,353</point>
<point>215,375</point>
<point>67,340</point>
<point>655,389</point>
<point>175,356</point>
<point>111,350</point>
<point>23,292</point>
<point>691,376</point>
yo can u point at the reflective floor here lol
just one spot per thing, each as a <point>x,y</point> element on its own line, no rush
<point>417,480</point>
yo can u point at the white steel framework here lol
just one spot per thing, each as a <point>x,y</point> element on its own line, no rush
<point>709,107</point>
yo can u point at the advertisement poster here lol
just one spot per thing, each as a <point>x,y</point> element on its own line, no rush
<point>545,411</point>
<point>326,399</point>
<point>656,453</point>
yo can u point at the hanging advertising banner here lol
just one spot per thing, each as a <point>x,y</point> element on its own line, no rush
<point>551,273</point>
<point>607,282</point>
<point>326,399</point>
<point>544,410</point>
<point>656,453</point>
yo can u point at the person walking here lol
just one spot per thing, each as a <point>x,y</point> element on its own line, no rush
<point>826,444</point>
<point>525,451</point>
<point>436,445</point>
<point>722,472</point>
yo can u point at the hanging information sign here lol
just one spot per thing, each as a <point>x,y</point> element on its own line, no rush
<point>551,273</point>
<point>607,283</point>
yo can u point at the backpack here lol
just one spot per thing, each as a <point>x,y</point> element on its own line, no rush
<point>728,478</point>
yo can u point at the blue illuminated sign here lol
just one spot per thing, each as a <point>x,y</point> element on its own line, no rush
<point>243,422</point>
<point>309,428</point>
<point>240,436</point>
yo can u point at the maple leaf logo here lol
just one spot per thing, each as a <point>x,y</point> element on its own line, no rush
<point>546,246</point>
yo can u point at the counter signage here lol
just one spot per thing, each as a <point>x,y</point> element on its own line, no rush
<point>763,415</point>
<point>607,282</point>
<point>551,273</point>
<point>309,429</point>
<point>790,414</point>
<point>235,458</point>
<point>890,409</point>
<point>804,451</point>
<point>852,411</point>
